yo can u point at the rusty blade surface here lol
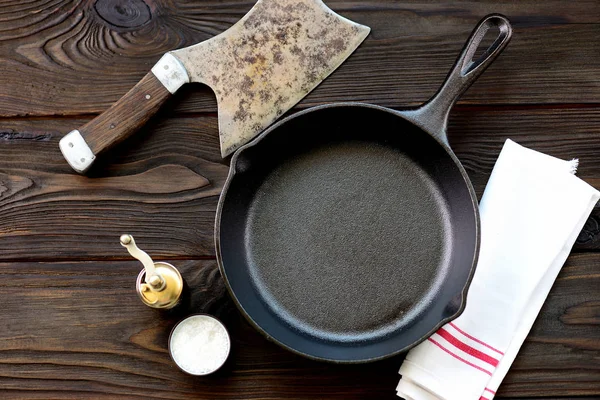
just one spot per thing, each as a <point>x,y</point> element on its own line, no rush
<point>268,61</point>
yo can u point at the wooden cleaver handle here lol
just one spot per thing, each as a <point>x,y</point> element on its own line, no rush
<point>126,116</point>
<point>81,146</point>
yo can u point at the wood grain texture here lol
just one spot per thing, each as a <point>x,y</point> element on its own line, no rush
<point>64,57</point>
<point>73,325</point>
<point>126,116</point>
<point>163,184</point>
<point>78,330</point>
<point>164,193</point>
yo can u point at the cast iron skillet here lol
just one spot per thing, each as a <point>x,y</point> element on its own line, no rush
<point>349,232</point>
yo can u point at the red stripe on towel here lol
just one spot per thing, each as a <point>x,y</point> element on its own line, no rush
<point>459,358</point>
<point>466,348</point>
<point>483,398</point>
<point>488,390</point>
<point>481,342</point>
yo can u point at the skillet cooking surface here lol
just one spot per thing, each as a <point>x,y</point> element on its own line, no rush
<point>341,225</point>
<point>333,231</point>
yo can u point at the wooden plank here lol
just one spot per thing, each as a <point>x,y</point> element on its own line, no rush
<point>75,330</point>
<point>163,185</point>
<point>66,58</point>
<point>164,194</point>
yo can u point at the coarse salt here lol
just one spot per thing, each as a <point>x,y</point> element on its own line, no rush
<point>199,344</point>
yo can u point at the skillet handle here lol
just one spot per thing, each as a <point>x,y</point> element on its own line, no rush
<point>433,115</point>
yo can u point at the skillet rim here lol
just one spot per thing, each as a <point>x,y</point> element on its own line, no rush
<point>231,175</point>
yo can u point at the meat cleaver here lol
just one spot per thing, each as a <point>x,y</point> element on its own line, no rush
<point>259,68</point>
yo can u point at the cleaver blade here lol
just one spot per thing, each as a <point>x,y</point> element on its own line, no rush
<point>258,69</point>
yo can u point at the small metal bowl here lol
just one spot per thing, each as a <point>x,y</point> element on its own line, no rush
<point>183,321</point>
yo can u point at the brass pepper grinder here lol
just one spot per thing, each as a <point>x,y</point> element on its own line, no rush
<point>159,284</point>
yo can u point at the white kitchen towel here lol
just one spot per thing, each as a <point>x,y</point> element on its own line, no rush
<point>532,211</point>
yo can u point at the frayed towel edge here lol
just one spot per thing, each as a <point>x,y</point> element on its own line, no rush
<point>574,164</point>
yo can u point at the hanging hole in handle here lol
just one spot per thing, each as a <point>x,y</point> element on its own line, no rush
<point>487,40</point>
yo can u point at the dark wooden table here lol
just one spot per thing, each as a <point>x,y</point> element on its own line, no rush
<point>72,325</point>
